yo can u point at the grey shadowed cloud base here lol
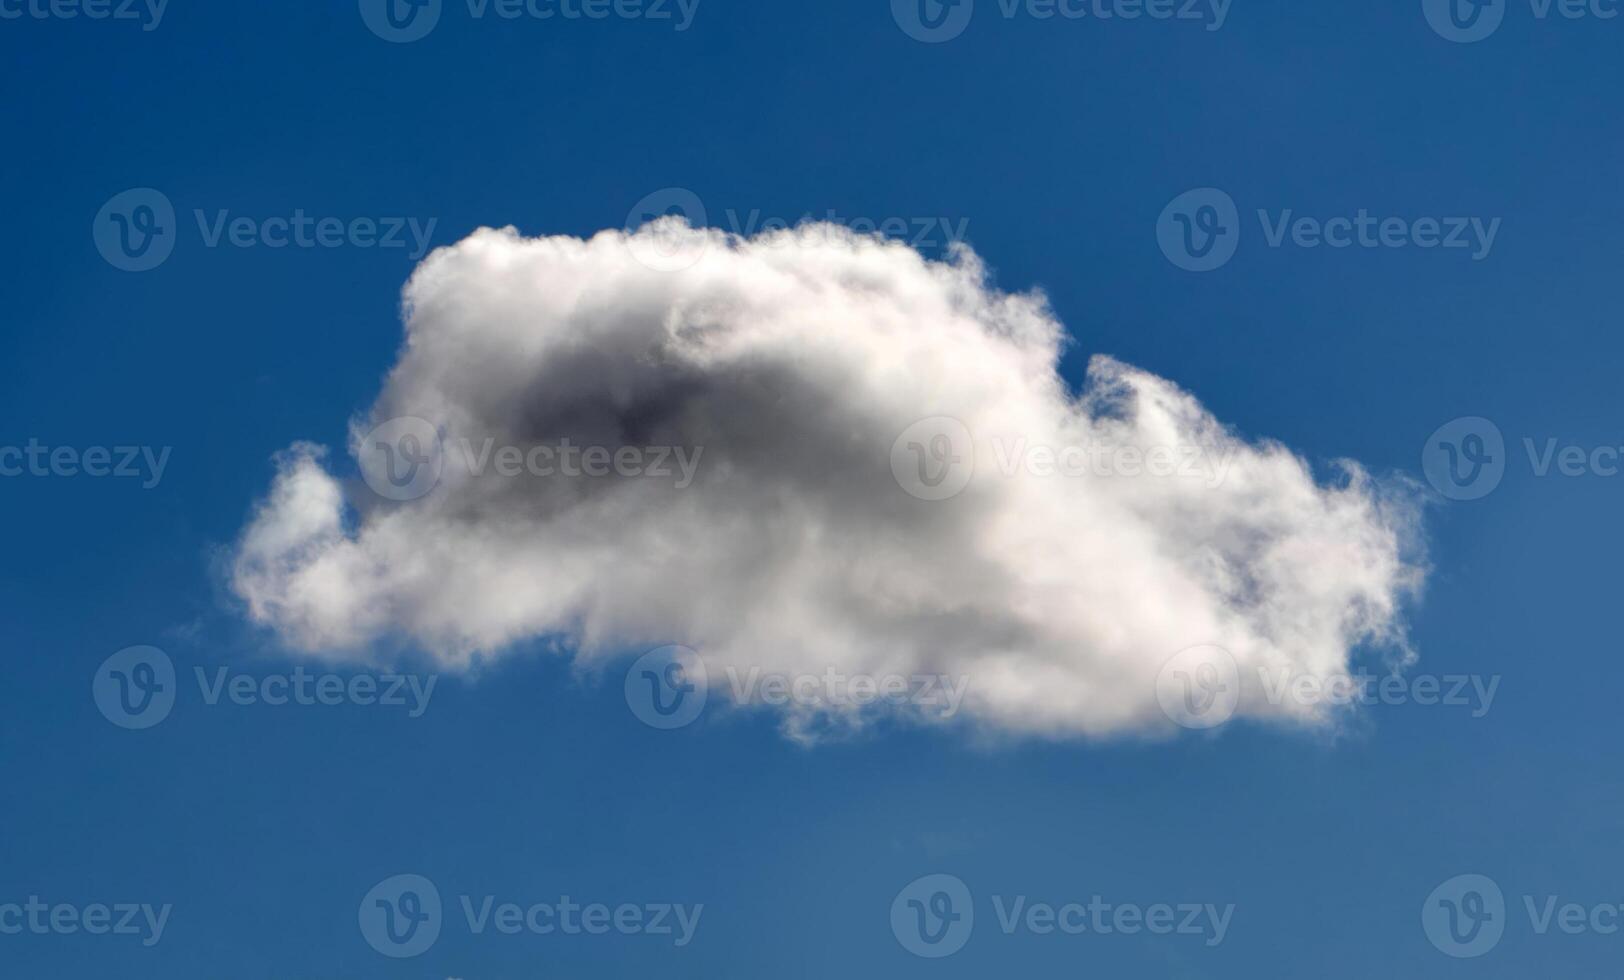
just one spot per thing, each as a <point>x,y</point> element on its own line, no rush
<point>791,363</point>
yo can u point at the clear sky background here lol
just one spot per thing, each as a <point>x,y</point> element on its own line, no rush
<point>1058,142</point>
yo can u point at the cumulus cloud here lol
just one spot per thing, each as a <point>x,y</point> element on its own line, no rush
<point>888,477</point>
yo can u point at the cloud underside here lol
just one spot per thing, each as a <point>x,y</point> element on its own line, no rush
<point>793,362</point>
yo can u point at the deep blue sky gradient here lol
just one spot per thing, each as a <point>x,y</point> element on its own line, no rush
<point>1059,142</point>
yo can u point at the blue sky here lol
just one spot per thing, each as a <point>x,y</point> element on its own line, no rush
<point>1057,143</point>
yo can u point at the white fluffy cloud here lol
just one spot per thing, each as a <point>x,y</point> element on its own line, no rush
<point>790,364</point>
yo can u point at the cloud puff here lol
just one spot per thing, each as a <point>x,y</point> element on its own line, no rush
<point>1051,548</point>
